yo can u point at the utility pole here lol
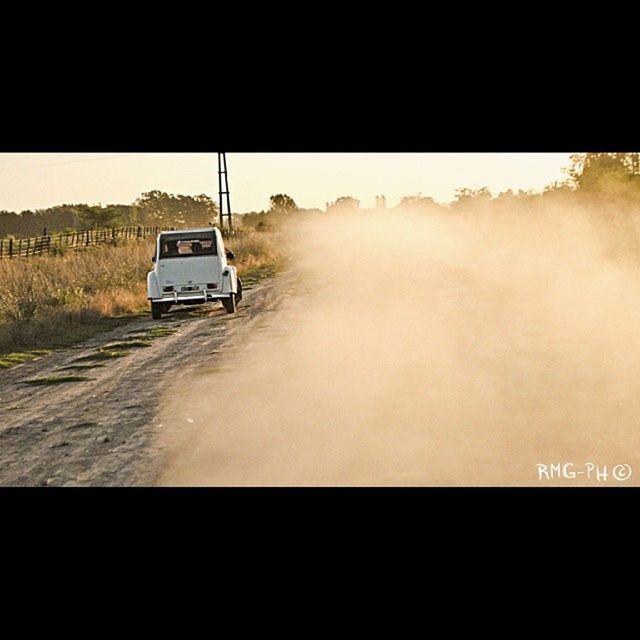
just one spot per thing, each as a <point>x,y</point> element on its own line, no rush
<point>223,181</point>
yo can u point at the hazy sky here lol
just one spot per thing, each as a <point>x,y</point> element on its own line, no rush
<point>39,180</point>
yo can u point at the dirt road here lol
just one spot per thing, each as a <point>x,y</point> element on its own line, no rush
<point>430,351</point>
<point>404,351</point>
<point>103,431</point>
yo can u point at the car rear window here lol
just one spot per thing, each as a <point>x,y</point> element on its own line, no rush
<point>187,245</point>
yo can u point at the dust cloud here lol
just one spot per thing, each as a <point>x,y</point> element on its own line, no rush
<point>415,349</point>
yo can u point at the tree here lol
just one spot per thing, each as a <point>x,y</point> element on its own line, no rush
<point>282,203</point>
<point>417,203</point>
<point>471,197</point>
<point>600,171</point>
<point>345,204</point>
<point>163,209</point>
<point>98,216</point>
<point>464,194</point>
<point>153,207</point>
<point>199,211</point>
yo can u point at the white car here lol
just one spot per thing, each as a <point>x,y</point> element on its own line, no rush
<point>191,268</point>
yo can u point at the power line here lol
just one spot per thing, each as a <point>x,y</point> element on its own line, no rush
<point>58,164</point>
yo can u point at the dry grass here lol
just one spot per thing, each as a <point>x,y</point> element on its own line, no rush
<point>54,300</point>
<point>50,301</point>
<point>255,250</point>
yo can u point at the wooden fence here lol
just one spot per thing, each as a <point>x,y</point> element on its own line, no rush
<point>27,247</point>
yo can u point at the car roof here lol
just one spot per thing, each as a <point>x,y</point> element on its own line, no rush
<point>179,231</point>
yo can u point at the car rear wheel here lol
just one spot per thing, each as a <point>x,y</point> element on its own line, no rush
<point>156,310</point>
<point>230,303</point>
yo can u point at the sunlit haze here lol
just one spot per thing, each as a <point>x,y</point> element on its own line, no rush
<point>40,180</point>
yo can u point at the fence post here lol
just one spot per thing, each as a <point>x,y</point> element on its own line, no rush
<point>1,248</point>
<point>20,248</point>
<point>28,246</point>
<point>11,247</point>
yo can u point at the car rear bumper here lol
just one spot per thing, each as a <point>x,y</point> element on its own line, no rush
<point>177,297</point>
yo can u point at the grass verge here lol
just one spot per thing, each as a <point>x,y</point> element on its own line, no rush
<point>81,367</point>
<point>49,380</point>
<point>128,344</point>
<point>254,275</point>
<point>18,357</point>
<point>102,354</point>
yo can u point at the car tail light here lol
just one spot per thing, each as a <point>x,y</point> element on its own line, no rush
<point>212,285</point>
<point>167,288</point>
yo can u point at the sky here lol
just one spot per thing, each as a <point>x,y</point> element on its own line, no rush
<point>40,180</point>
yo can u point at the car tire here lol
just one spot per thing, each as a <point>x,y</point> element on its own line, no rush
<point>230,303</point>
<point>239,294</point>
<point>156,310</point>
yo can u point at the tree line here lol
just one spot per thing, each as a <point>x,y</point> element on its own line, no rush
<point>608,183</point>
<point>154,208</point>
